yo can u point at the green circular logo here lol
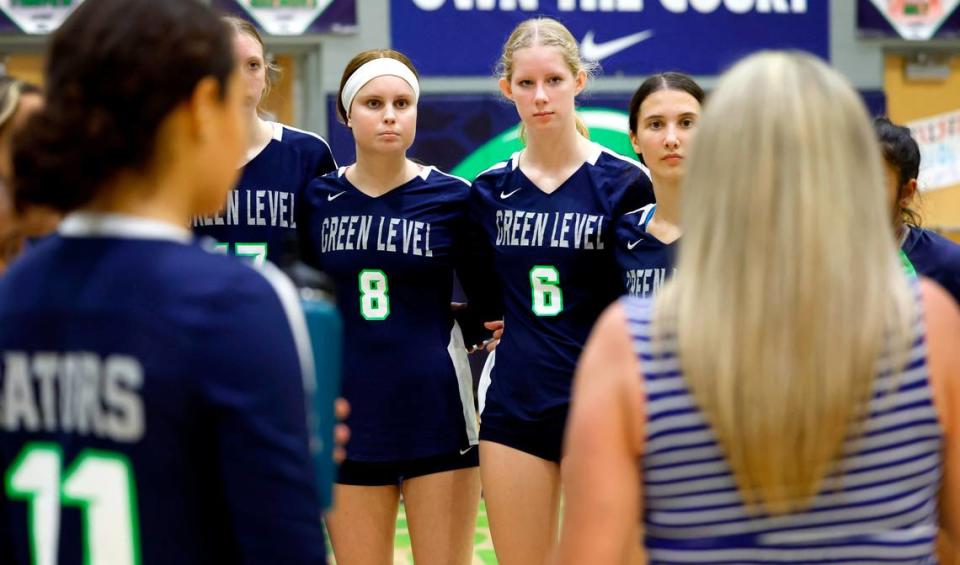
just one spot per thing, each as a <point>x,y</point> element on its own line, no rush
<point>607,126</point>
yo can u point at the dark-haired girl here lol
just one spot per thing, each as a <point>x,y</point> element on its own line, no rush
<point>153,393</point>
<point>389,232</point>
<point>925,252</point>
<point>663,121</point>
<point>260,213</point>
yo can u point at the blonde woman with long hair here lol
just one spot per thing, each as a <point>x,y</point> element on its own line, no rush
<point>789,398</point>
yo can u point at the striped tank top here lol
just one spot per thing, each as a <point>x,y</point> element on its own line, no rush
<point>881,509</point>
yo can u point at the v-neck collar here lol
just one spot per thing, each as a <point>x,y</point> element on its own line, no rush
<point>424,173</point>
<point>592,157</point>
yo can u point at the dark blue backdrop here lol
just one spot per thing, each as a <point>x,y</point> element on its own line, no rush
<point>455,41</point>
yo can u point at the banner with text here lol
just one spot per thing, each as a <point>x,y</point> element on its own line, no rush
<point>939,140</point>
<point>631,37</point>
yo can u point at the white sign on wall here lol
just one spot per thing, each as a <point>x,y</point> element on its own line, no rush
<point>916,19</point>
<point>285,17</point>
<point>38,16</point>
<point>939,140</point>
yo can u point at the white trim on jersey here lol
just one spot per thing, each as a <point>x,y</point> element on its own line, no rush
<point>499,165</point>
<point>277,130</point>
<point>287,294</point>
<point>305,132</point>
<point>124,226</point>
<point>595,151</point>
<point>461,365</point>
<point>461,179</point>
<point>633,162</point>
<point>486,379</point>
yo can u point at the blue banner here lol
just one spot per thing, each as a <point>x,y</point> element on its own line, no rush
<point>631,37</point>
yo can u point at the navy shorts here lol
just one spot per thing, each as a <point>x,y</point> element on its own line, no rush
<point>393,473</point>
<point>541,438</point>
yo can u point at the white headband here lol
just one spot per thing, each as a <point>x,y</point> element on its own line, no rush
<point>384,66</point>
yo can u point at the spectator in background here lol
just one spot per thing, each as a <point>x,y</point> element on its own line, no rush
<point>929,254</point>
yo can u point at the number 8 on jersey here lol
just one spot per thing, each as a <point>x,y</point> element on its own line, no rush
<point>374,301</point>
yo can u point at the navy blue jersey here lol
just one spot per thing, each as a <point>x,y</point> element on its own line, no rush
<point>392,258</point>
<point>260,215</point>
<point>152,404</point>
<point>935,257</point>
<point>553,256</point>
<point>646,261</point>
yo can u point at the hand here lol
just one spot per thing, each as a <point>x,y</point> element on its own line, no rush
<point>497,327</point>
<point>341,433</point>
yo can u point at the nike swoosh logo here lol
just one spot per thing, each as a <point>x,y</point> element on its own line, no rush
<point>464,451</point>
<point>599,51</point>
<point>332,197</point>
<point>633,244</point>
<point>505,195</point>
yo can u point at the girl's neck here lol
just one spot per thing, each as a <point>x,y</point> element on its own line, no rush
<point>261,132</point>
<point>378,173</point>
<point>665,224</point>
<point>138,195</point>
<point>555,152</point>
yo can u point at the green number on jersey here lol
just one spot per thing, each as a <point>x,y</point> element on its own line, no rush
<point>257,252</point>
<point>907,265</point>
<point>374,300</point>
<point>545,290</point>
<point>99,482</point>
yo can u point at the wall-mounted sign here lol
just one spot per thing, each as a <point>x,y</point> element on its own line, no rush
<point>939,141</point>
<point>917,20</point>
<point>632,37</point>
<point>35,17</point>
<point>295,17</point>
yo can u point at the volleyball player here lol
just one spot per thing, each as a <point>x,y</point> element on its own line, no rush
<point>390,233</point>
<point>663,121</point>
<point>260,213</point>
<point>927,253</point>
<point>546,218</point>
<point>789,397</point>
<point>152,393</point>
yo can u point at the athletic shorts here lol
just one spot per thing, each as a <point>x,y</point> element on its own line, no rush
<point>393,473</point>
<point>541,438</point>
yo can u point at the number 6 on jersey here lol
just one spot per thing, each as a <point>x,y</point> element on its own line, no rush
<point>545,288</point>
<point>374,300</point>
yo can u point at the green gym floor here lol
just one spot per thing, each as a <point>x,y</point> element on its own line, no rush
<point>482,544</point>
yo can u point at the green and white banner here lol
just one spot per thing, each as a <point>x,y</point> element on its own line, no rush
<point>35,17</point>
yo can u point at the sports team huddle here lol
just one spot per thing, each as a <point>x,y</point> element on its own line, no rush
<point>738,348</point>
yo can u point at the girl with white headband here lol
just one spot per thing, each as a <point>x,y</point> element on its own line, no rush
<point>389,232</point>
